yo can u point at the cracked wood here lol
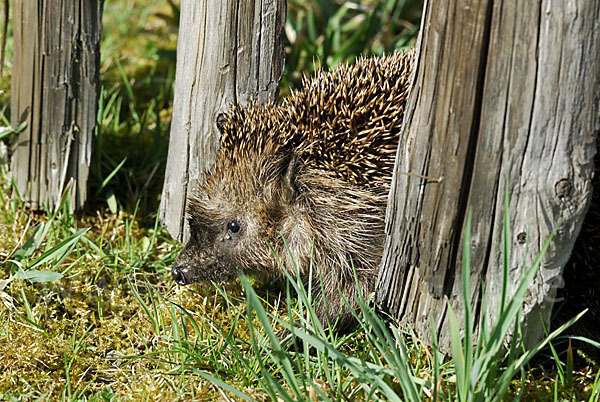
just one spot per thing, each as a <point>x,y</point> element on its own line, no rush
<point>505,95</point>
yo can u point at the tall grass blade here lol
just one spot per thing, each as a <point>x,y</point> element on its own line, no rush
<point>152,317</point>
<point>111,175</point>
<point>277,354</point>
<point>222,384</point>
<point>456,347</point>
<point>58,253</point>
<point>468,310</point>
<point>36,276</point>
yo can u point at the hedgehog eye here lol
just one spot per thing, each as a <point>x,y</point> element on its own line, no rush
<point>234,227</point>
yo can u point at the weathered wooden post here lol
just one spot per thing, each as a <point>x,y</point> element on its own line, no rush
<point>227,52</point>
<point>505,93</point>
<point>54,91</point>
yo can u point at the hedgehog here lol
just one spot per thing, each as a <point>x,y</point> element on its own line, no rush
<point>303,185</point>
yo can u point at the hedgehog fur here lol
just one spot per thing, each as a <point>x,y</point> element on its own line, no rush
<point>303,184</point>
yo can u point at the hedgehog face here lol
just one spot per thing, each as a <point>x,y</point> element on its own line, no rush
<point>210,254</point>
<point>233,227</point>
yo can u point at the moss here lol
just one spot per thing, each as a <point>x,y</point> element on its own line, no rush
<point>94,305</point>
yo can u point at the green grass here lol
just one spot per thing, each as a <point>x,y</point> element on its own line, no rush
<point>88,310</point>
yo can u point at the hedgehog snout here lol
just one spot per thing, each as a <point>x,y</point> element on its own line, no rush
<point>180,274</point>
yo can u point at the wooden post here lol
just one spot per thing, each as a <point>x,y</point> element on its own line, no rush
<point>54,92</point>
<point>227,52</point>
<point>505,93</point>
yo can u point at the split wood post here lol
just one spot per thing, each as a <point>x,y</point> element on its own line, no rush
<point>54,92</point>
<point>505,94</point>
<point>227,52</point>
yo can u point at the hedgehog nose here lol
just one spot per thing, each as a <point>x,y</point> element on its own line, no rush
<point>178,272</point>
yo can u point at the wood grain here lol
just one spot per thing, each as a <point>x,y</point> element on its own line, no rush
<point>54,91</point>
<point>506,94</point>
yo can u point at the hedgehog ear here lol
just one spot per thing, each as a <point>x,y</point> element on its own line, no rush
<point>289,177</point>
<point>221,118</point>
